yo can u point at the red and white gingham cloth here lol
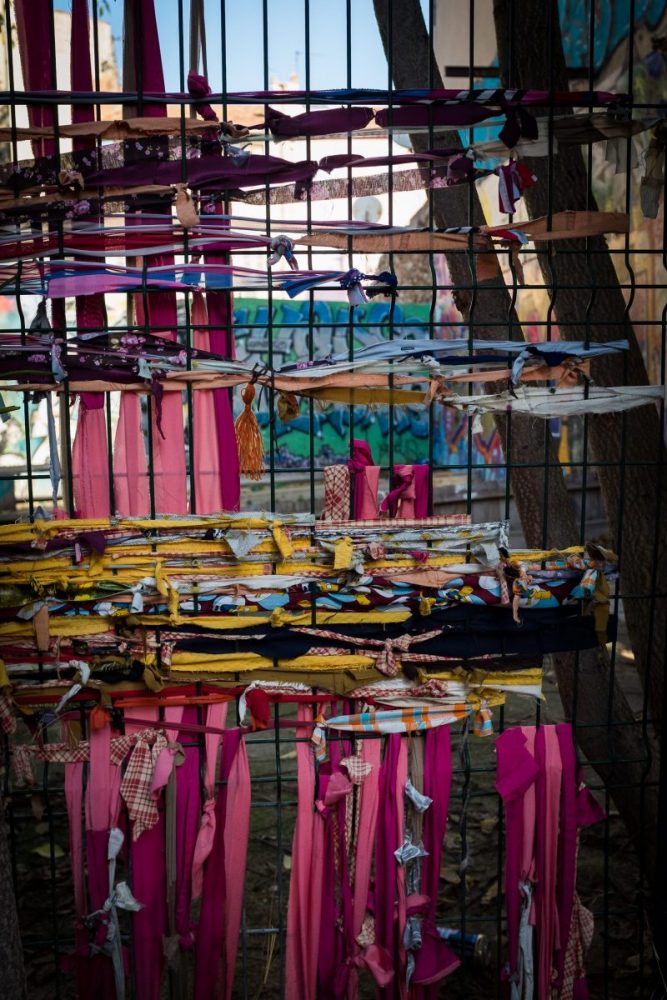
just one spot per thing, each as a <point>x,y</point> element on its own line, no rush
<point>336,493</point>
<point>136,786</point>
<point>62,753</point>
<point>581,934</point>
<point>7,714</point>
<point>357,768</point>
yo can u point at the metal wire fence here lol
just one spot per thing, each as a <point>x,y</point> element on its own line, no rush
<point>246,46</point>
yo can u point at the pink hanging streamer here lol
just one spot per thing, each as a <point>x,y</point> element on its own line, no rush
<point>205,435</point>
<point>366,481</point>
<point>303,912</point>
<point>149,885</point>
<point>215,719</point>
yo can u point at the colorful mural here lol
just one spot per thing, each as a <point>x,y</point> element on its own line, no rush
<point>333,426</point>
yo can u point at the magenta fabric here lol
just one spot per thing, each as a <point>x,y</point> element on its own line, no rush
<point>208,493</point>
<point>434,114</point>
<point>389,894</point>
<point>325,122</point>
<point>366,478</point>
<point>335,919</point>
<point>210,976</point>
<point>74,802</point>
<point>305,897</point>
<point>90,454</point>
<point>434,960</point>
<point>368,811</point>
<point>547,755</point>
<point>218,173</point>
<point>215,719</point>
<point>169,475</point>
<point>149,886</point>
<point>102,808</point>
<point>33,30</point>
<point>221,337</point>
<point>516,772</point>
<point>408,496</point>
<point>236,849</point>
<point>567,846</point>
<point>188,808</point>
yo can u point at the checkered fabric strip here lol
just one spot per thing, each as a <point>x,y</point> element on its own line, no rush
<point>336,493</point>
<point>385,656</point>
<point>136,784</point>
<point>7,714</point>
<point>400,524</point>
<point>357,768</point>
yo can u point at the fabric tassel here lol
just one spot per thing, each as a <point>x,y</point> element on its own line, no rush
<point>249,438</point>
<point>351,282</point>
<point>282,246</point>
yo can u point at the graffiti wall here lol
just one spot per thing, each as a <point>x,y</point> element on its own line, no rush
<point>333,426</point>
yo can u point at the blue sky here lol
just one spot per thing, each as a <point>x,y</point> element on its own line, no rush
<point>286,35</point>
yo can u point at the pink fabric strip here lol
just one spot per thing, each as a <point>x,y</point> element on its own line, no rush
<point>103,805</point>
<point>210,975</point>
<point>74,803</point>
<point>567,846</point>
<point>33,20</point>
<point>168,443</point>
<point>516,773</point>
<point>368,810</point>
<point>149,885</point>
<point>434,960</point>
<point>366,481</point>
<point>103,788</point>
<point>303,912</point>
<point>90,456</point>
<point>236,848</point>
<point>221,315</point>
<point>208,492</point>
<point>399,983</point>
<point>130,478</point>
<point>389,896</point>
<point>548,757</point>
<point>215,719</point>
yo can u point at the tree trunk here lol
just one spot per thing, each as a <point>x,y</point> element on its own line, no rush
<point>618,751</point>
<point>635,495</point>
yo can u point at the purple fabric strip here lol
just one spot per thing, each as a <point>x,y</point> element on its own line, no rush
<point>221,341</point>
<point>421,116</point>
<point>90,456</point>
<point>567,845</point>
<point>209,978</point>
<point>434,960</point>
<point>149,925</point>
<point>220,173</point>
<point>317,122</point>
<point>386,865</point>
<point>516,771</point>
<point>331,949</point>
<point>33,29</point>
<point>188,811</point>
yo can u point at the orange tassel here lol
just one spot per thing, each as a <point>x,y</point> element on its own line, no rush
<point>249,438</point>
